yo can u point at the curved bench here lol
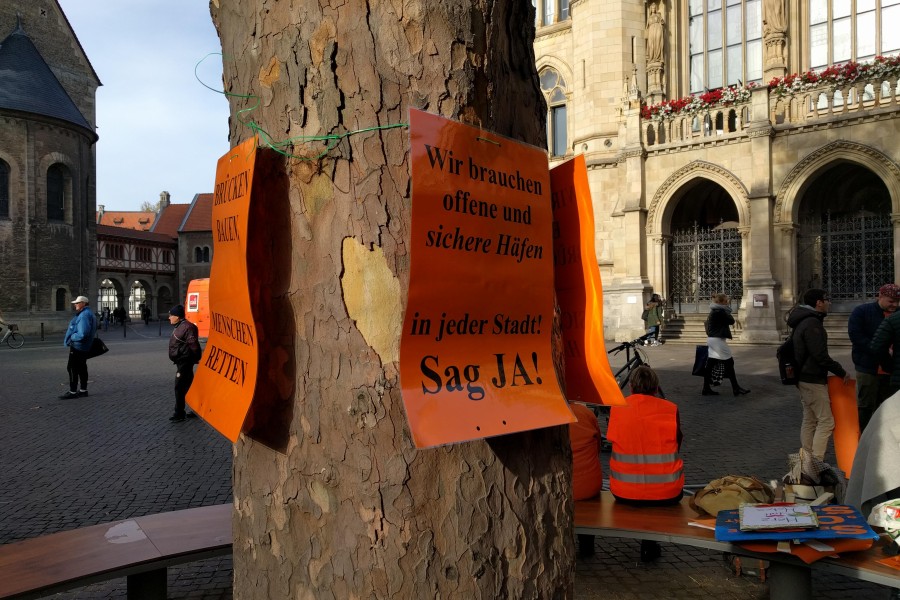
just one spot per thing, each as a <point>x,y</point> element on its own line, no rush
<point>789,577</point>
<point>140,549</point>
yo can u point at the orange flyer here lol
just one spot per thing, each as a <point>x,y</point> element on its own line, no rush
<point>226,376</point>
<point>475,356</point>
<point>579,292</point>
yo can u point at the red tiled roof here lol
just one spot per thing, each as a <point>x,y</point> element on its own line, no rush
<point>128,219</point>
<point>105,231</point>
<point>199,217</point>
<point>169,219</point>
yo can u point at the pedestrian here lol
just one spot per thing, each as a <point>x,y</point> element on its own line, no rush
<point>587,474</point>
<point>814,363</point>
<point>873,383</point>
<point>718,330</point>
<point>645,468</point>
<point>653,317</point>
<point>79,337</point>
<point>184,351</point>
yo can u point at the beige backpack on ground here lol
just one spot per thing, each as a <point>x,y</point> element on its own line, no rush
<point>730,492</point>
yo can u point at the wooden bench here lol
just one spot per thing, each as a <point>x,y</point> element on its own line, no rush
<point>789,578</point>
<point>140,549</point>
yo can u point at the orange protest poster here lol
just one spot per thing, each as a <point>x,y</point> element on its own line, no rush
<point>475,357</point>
<point>579,292</point>
<point>226,376</point>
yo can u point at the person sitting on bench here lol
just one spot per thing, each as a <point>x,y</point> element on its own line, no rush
<point>645,468</point>
<point>587,474</point>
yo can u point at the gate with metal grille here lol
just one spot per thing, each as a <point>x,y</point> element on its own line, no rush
<point>704,261</point>
<point>851,256</point>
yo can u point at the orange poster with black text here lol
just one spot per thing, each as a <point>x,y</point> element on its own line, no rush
<point>579,292</point>
<point>475,357</point>
<point>226,376</point>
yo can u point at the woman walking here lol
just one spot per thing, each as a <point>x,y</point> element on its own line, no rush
<point>654,312</point>
<point>718,328</point>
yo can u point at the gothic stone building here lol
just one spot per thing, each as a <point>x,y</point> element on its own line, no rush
<point>47,166</point>
<point>760,192</point>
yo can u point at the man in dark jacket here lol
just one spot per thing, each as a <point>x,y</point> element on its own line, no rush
<point>886,336</point>
<point>184,351</point>
<point>811,351</point>
<point>873,384</point>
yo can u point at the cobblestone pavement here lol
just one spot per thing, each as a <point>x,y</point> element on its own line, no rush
<point>114,455</point>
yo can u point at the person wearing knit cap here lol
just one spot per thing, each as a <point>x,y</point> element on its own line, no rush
<point>185,352</point>
<point>873,383</point>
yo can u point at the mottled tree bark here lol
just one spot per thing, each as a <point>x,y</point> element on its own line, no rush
<point>349,508</point>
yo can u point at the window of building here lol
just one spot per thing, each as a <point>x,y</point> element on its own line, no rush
<point>60,299</point>
<point>725,41</point>
<point>206,254</point>
<point>56,193</point>
<point>857,30</point>
<point>548,12</point>
<point>554,88</point>
<point>4,190</point>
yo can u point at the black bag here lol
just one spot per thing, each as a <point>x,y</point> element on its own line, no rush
<point>701,354</point>
<point>645,315</point>
<point>787,362</point>
<point>97,348</point>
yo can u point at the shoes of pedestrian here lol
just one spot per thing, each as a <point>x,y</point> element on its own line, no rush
<point>740,391</point>
<point>191,415</point>
<point>650,550</point>
<point>177,418</point>
<point>69,396</point>
<point>709,393</point>
<point>82,392</point>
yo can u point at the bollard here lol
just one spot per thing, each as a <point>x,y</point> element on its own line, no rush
<point>42,331</point>
<point>125,328</point>
<point>160,327</point>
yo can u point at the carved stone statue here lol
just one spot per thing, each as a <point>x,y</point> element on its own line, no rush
<point>655,35</point>
<point>774,16</point>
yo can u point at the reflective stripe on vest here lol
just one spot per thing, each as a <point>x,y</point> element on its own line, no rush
<point>644,478</point>
<point>645,459</point>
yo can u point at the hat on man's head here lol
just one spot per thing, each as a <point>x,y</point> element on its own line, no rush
<point>177,311</point>
<point>890,290</point>
<point>80,299</point>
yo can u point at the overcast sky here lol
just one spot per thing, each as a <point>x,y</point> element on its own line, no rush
<point>159,128</point>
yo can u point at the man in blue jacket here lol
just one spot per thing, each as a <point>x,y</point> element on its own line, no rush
<point>873,385</point>
<point>79,337</point>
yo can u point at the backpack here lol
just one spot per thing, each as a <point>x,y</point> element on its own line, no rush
<point>729,492</point>
<point>788,368</point>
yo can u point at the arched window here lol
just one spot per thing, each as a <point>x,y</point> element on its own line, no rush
<point>198,254</point>
<point>4,190</point>
<point>206,254</point>
<point>56,193</point>
<point>554,88</point>
<point>60,299</point>
<point>725,40</point>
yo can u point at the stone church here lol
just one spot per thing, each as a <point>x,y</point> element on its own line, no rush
<point>47,166</point>
<point>738,146</point>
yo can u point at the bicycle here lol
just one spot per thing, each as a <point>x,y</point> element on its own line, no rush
<point>12,337</point>
<point>632,362</point>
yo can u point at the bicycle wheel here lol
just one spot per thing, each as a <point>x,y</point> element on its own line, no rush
<point>15,340</point>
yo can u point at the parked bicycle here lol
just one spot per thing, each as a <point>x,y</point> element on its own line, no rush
<point>12,337</point>
<point>634,357</point>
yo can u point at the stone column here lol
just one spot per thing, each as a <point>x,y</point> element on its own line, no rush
<point>775,39</point>
<point>760,306</point>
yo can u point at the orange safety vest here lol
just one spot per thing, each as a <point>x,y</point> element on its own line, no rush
<point>645,464</point>
<point>584,435</point>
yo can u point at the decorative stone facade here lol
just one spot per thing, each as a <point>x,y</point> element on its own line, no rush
<point>47,250</point>
<point>765,167</point>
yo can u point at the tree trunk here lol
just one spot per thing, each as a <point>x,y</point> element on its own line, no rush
<point>347,507</point>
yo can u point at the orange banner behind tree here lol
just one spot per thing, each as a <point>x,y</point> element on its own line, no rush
<point>475,358</point>
<point>578,288</point>
<point>226,376</point>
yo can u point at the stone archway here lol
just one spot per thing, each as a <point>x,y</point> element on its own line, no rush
<point>834,215</point>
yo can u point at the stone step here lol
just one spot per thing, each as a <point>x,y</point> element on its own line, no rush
<point>689,329</point>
